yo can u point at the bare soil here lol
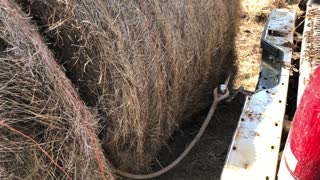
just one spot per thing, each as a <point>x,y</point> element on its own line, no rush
<point>206,160</point>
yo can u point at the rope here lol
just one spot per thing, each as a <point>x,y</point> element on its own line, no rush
<point>220,93</point>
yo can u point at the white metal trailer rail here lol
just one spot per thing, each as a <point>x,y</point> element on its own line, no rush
<point>254,151</point>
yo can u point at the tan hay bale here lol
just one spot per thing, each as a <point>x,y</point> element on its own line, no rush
<point>46,130</point>
<point>147,66</point>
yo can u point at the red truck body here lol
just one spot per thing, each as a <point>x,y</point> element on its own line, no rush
<point>302,154</point>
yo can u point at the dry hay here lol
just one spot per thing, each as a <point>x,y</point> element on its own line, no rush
<point>146,66</point>
<point>46,131</point>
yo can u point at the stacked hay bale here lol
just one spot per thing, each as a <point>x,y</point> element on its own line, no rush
<point>46,130</point>
<point>146,66</point>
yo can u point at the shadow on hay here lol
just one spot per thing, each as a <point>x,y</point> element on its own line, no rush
<point>146,67</point>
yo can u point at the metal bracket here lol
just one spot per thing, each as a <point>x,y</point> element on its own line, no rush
<point>274,43</point>
<point>253,153</point>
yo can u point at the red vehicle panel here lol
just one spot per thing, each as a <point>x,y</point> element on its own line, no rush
<point>304,138</point>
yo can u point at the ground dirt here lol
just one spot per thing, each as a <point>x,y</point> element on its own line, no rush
<point>206,160</point>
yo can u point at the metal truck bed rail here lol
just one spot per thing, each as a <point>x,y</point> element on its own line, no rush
<point>253,153</point>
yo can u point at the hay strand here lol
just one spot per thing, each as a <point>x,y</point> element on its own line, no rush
<point>45,127</point>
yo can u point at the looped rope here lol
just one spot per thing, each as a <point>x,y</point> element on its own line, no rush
<point>220,93</point>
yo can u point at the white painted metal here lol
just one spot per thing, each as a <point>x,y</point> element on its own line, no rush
<point>283,173</point>
<point>254,151</point>
<point>309,59</point>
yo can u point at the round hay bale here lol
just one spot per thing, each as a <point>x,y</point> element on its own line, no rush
<point>146,66</point>
<point>46,130</point>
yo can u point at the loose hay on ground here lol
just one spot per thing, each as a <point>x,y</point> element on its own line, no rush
<point>147,66</point>
<point>46,130</point>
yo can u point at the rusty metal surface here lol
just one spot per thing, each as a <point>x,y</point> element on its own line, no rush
<point>253,153</point>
